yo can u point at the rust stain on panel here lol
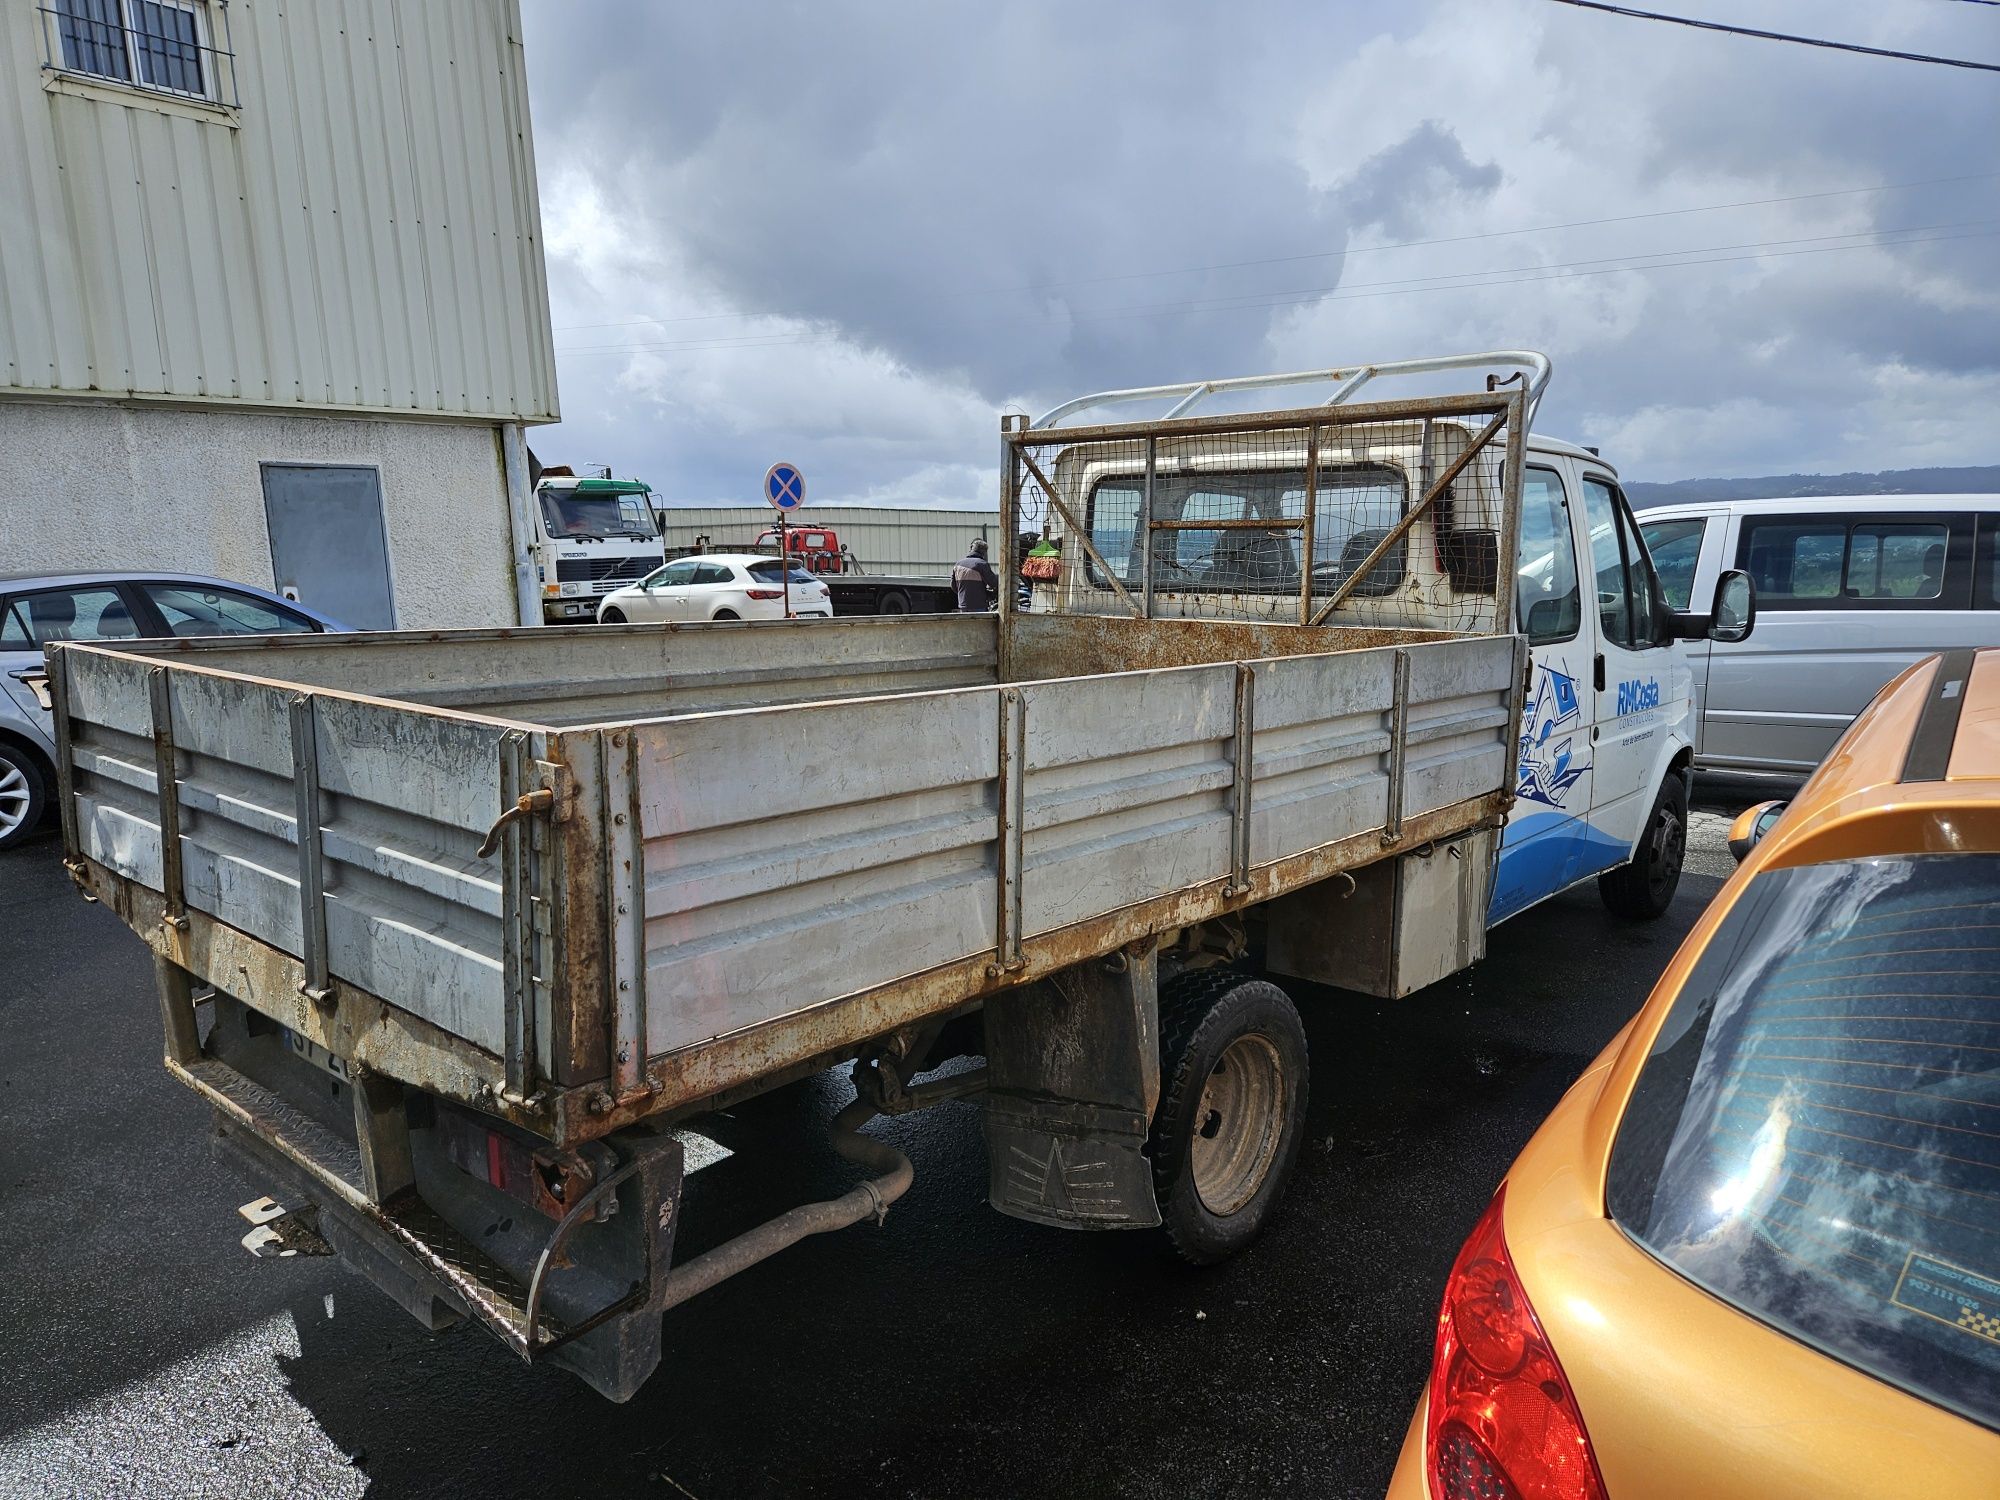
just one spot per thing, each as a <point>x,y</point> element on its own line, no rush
<point>1050,646</point>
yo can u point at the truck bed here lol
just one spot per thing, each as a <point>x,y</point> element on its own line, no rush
<point>768,841</point>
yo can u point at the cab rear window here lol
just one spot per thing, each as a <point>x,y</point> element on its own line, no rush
<point>1815,1137</point>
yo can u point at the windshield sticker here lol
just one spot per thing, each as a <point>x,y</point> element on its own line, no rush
<point>1550,763</point>
<point>1951,1294</point>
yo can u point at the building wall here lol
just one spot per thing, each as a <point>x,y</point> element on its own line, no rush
<point>887,539</point>
<point>360,232</point>
<point>95,485</point>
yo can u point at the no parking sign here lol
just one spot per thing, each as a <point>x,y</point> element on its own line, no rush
<point>785,488</point>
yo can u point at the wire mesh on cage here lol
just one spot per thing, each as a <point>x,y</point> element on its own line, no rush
<point>1304,522</point>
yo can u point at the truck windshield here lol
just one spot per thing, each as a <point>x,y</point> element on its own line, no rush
<point>1815,1137</point>
<point>576,513</point>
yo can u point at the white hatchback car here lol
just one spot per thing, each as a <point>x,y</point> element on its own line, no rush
<point>722,586</point>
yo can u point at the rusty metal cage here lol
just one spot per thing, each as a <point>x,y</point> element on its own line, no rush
<point>1393,514</point>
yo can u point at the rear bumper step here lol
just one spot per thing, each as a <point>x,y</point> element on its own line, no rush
<point>431,1261</point>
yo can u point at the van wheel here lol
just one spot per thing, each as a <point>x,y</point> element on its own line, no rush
<point>1232,1110</point>
<point>613,616</point>
<point>893,603</point>
<point>1645,888</point>
<point>23,794</point>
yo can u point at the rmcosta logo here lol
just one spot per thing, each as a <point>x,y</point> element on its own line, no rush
<point>1635,697</point>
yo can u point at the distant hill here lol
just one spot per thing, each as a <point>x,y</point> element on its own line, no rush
<point>1974,481</point>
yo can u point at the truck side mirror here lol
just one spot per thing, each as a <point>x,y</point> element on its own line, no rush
<point>1730,618</point>
<point>1735,612</point>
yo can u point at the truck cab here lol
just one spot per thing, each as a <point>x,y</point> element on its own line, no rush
<point>1606,732</point>
<point>591,536</point>
<point>1606,745</point>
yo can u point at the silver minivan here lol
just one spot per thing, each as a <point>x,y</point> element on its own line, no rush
<point>1851,589</point>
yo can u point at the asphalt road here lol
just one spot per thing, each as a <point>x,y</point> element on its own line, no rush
<point>950,1352</point>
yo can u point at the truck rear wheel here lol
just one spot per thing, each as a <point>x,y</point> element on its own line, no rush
<point>1232,1110</point>
<point>1644,888</point>
<point>893,603</point>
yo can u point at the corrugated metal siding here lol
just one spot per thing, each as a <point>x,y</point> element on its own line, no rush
<point>901,539</point>
<point>367,238</point>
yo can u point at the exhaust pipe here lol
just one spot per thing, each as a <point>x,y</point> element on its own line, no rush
<point>869,1199</point>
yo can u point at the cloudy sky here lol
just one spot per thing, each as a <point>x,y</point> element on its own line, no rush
<point>849,235</point>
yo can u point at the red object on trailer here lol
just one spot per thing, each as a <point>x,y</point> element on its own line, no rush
<point>817,549</point>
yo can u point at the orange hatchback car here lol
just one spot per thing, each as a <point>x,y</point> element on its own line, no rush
<point>1755,1251</point>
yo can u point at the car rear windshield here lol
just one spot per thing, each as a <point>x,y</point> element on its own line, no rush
<point>1815,1137</point>
<point>768,572</point>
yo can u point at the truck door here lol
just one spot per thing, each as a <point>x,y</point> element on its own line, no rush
<point>1635,693</point>
<point>1687,553</point>
<point>1552,787</point>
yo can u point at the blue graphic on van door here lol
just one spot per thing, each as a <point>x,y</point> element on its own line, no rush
<point>1550,762</point>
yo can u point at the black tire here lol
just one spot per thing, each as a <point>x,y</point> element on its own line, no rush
<point>725,614</point>
<point>895,602</point>
<point>1204,1017</point>
<point>612,616</point>
<point>1644,889</point>
<point>23,794</point>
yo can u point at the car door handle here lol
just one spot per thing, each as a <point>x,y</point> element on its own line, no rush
<point>1599,670</point>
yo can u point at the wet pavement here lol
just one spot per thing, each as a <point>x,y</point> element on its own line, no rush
<point>950,1352</point>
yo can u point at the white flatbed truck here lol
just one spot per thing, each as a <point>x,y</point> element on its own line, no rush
<point>461,933</point>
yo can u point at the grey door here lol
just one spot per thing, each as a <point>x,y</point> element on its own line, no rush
<point>328,545</point>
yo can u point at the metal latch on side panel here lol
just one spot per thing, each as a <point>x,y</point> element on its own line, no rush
<point>1074,1075</point>
<point>552,799</point>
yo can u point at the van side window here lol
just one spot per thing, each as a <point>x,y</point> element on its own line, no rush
<point>1607,564</point>
<point>1676,548</point>
<point>1545,590</point>
<point>1895,562</point>
<point>1825,563</point>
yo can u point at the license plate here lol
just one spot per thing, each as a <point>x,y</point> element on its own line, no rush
<point>315,1054</point>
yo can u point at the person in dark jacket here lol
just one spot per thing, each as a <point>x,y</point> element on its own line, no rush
<point>975,580</point>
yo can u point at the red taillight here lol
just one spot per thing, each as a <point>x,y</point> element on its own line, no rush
<point>765,593</point>
<point>1503,1422</point>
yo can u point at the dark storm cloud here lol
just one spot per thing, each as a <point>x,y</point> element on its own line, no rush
<point>1398,189</point>
<point>866,228</point>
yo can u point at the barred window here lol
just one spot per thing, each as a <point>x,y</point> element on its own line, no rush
<point>167,45</point>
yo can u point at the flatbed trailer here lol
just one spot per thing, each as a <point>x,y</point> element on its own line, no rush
<point>460,933</point>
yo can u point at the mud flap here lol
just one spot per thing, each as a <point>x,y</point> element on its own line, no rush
<point>1074,1063</point>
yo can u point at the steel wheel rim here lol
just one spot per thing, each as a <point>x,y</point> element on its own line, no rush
<point>1237,1124</point>
<point>1668,848</point>
<point>13,798</point>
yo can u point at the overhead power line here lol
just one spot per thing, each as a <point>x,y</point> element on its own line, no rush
<point>1497,276</point>
<point>1279,260</point>
<point>1780,36</point>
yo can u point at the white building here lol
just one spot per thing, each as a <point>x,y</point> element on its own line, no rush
<point>272,298</point>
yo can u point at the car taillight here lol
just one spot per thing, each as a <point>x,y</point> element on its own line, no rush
<point>1503,1422</point>
<point>765,593</point>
